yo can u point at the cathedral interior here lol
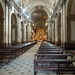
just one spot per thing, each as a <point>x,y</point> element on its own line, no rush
<point>35,35</point>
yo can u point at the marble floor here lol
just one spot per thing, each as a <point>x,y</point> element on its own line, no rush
<point>23,65</point>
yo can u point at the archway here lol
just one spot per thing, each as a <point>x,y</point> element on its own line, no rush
<point>13,29</point>
<point>1,25</point>
<point>22,32</point>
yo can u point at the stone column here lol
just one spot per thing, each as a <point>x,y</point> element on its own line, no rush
<point>64,26</point>
<point>57,30</point>
<point>29,31</point>
<point>4,38</point>
<point>9,26</point>
<point>6,26</point>
<point>25,32</point>
<point>62,38</point>
<point>48,31</point>
<point>18,30</point>
<point>53,32</point>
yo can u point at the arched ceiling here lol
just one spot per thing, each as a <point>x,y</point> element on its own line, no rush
<point>37,14</point>
<point>28,2</point>
<point>30,5</point>
<point>38,10</point>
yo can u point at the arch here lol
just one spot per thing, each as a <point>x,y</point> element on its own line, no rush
<point>14,20</point>
<point>1,25</point>
<point>33,2</point>
<point>37,15</point>
<point>13,29</point>
<point>44,8</point>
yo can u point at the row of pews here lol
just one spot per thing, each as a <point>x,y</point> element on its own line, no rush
<point>51,59</point>
<point>9,53</point>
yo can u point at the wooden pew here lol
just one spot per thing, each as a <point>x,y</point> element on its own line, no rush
<point>50,58</point>
<point>50,49</point>
<point>5,55</point>
<point>39,65</point>
<point>12,52</point>
<point>47,48</point>
<point>53,56</point>
<point>51,52</point>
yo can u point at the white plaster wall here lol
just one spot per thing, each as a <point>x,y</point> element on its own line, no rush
<point>72,30</point>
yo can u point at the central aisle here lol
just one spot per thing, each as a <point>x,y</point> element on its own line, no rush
<point>23,65</point>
